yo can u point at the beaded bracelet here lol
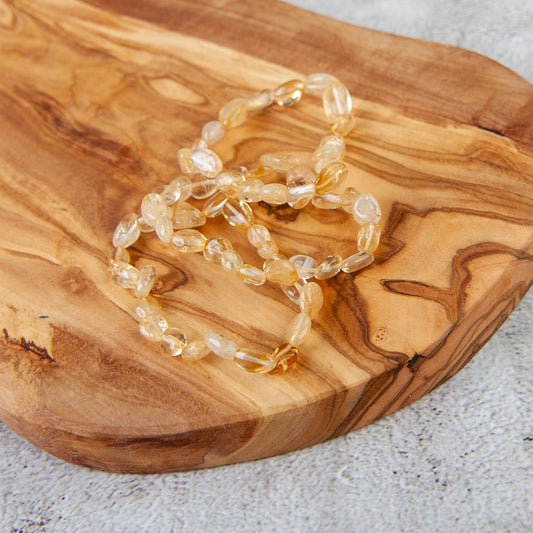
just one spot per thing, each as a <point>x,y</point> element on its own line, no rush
<point>230,193</point>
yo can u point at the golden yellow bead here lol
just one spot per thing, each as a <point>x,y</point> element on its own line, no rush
<point>263,173</point>
<point>343,124</point>
<point>328,267</point>
<point>281,271</point>
<point>284,356</point>
<point>311,299</point>
<point>238,213</point>
<point>233,113</point>
<point>289,93</point>
<point>331,176</point>
<point>368,238</point>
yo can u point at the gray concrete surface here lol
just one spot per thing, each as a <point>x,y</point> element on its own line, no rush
<point>460,459</point>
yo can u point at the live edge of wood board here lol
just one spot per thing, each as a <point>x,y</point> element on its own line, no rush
<point>97,97</point>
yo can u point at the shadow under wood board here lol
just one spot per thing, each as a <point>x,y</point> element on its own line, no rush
<point>96,98</point>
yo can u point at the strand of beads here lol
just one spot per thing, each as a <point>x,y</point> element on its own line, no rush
<point>167,212</point>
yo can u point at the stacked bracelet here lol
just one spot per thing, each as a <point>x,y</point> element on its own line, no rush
<point>169,212</point>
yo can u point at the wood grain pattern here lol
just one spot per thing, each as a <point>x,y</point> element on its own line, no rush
<point>96,98</point>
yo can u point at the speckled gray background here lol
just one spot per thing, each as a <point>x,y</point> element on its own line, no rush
<point>460,459</point>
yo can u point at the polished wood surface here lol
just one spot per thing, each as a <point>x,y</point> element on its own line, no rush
<point>97,97</point>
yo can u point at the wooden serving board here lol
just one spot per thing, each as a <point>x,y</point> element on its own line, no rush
<point>96,97</point>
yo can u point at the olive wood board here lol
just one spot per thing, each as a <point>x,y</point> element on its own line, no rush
<point>96,98</point>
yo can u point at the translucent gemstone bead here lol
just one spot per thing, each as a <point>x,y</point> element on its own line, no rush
<point>153,326</point>
<point>124,274</point>
<point>293,291</point>
<point>368,238</point>
<point>145,281</point>
<point>169,196</point>
<point>233,113</point>
<point>230,182</point>
<point>281,271</point>
<point>206,162</point>
<point>357,262</point>
<point>147,307</point>
<point>151,332</point>
<point>164,228</point>
<point>366,209</point>
<point>253,361</point>
<point>284,356</point>
<point>263,173</point>
<point>189,241</point>
<point>127,231</point>
<point>300,175</point>
<point>279,162</point>
<point>173,341</point>
<point>195,350</point>
<point>311,299</point>
<point>331,176</point>
<point>187,216</point>
<point>215,248</point>
<point>153,206</point>
<point>251,191</point>
<point>121,254</point>
<point>299,328</point>
<point>305,265</point>
<point>213,206</point>
<point>329,200</point>
<point>238,213</point>
<point>203,187</point>
<point>258,234</point>
<point>199,145</point>
<point>231,261</point>
<point>212,132</point>
<point>185,161</point>
<point>331,148</point>
<point>317,83</point>
<point>274,193</point>
<point>328,267</point>
<point>260,100</point>
<point>252,275</point>
<point>220,346</point>
<point>267,249</point>
<point>143,226</point>
<point>348,197</point>
<point>299,197</point>
<point>183,186</point>
<point>337,100</point>
<point>289,93</point>
<point>343,124</point>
